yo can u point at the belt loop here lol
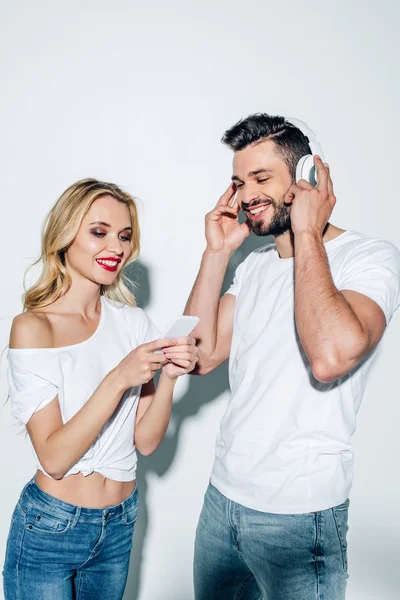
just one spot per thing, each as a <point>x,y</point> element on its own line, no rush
<point>76,516</point>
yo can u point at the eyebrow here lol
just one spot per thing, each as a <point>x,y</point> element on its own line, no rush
<point>253,174</point>
<point>108,225</point>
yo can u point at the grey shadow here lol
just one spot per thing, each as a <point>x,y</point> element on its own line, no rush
<point>373,564</point>
<point>201,391</point>
<point>138,280</point>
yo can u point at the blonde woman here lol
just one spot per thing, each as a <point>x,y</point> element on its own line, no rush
<point>81,367</point>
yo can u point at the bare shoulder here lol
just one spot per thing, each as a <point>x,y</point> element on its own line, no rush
<point>31,329</point>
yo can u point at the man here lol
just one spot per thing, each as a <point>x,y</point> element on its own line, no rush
<point>300,325</point>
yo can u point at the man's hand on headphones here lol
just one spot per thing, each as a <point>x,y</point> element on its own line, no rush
<point>311,207</point>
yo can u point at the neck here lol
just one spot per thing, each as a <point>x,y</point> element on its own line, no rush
<point>83,297</point>
<point>285,242</point>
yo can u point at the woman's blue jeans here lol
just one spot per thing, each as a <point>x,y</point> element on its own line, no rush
<point>58,551</point>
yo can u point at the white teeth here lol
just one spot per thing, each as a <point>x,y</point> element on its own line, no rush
<point>257,211</point>
<point>108,263</point>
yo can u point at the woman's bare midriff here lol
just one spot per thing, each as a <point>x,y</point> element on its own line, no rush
<point>92,491</point>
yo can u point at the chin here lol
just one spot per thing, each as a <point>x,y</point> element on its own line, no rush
<point>103,280</point>
<point>260,228</point>
<point>279,225</point>
<point>107,280</point>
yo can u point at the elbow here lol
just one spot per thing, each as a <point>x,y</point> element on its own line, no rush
<point>147,450</point>
<point>329,368</point>
<point>146,447</point>
<point>205,365</point>
<point>325,372</point>
<point>336,365</point>
<point>201,369</point>
<point>328,371</point>
<point>52,469</point>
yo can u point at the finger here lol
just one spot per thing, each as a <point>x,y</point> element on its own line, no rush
<point>181,356</point>
<point>245,227</point>
<point>227,196</point>
<point>216,214</point>
<point>190,350</point>
<point>330,183</point>
<point>304,185</point>
<point>183,341</point>
<point>291,193</point>
<point>159,344</point>
<point>156,358</point>
<point>322,175</point>
<point>185,364</point>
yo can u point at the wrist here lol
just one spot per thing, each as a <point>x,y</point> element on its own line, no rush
<point>223,253</point>
<point>117,381</point>
<point>165,376</point>
<point>305,235</point>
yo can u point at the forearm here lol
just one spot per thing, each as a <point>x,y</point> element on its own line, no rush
<point>331,334</point>
<point>151,428</point>
<point>204,299</point>
<point>66,446</point>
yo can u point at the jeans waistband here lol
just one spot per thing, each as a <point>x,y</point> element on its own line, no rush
<point>35,495</point>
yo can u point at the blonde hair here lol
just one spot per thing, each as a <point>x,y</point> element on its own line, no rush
<point>59,231</point>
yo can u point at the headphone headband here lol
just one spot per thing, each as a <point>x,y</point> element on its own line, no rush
<point>310,135</point>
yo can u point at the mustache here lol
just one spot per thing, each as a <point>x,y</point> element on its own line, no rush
<point>249,205</point>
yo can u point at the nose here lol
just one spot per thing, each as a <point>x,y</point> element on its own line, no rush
<point>115,246</point>
<point>248,195</point>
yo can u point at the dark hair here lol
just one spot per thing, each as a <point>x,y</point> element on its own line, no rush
<point>290,142</point>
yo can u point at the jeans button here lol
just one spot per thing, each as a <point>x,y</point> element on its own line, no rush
<point>38,518</point>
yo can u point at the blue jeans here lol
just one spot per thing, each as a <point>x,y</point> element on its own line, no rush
<point>244,554</point>
<point>58,551</point>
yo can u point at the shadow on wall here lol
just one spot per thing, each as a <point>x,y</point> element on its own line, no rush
<point>201,391</point>
<point>373,562</point>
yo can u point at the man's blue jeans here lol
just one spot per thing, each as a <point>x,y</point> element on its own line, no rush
<point>244,554</point>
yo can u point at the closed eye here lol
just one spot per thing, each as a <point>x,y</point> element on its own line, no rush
<point>100,234</point>
<point>264,180</point>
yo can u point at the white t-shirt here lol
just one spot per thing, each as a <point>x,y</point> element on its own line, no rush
<point>36,376</point>
<point>284,442</point>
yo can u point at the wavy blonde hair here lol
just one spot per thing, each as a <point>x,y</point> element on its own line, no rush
<point>59,231</point>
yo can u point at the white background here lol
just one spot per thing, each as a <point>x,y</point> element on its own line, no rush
<point>139,93</point>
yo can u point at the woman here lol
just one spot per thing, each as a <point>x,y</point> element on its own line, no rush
<point>81,367</point>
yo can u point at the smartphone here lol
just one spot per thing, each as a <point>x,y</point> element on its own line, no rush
<point>179,327</point>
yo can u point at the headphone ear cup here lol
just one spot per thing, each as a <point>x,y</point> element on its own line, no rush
<point>305,169</point>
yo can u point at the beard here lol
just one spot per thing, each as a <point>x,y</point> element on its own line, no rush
<point>279,224</point>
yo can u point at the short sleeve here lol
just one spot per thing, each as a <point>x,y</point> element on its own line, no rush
<point>32,384</point>
<point>148,330</point>
<point>374,270</point>
<point>237,280</point>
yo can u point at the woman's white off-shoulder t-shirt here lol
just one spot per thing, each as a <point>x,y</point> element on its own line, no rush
<point>36,376</point>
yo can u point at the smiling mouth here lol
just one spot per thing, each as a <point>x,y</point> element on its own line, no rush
<point>109,264</point>
<point>256,212</point>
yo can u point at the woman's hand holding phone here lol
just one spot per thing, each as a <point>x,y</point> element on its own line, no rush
<point>182,357</point>
<point>141,364</point>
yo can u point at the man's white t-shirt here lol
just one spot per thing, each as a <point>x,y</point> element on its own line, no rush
<point>284,443</point>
